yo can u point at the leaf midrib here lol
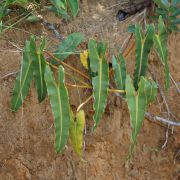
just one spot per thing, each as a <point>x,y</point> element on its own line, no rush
<point>100,87</point>
<point>25,77</point>
<point>60,109</point>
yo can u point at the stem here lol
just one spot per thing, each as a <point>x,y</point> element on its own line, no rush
<point>16,22</point>
<point>68,66</point>
<point>157,118</point>
<point>116,91</point>
<point>90,87</point>
<point>85,102</point>
<point>73,77</point>
<point>130,49</point>
<point>79,86</point>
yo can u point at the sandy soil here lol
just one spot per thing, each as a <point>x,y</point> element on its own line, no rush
<point>27,137</point>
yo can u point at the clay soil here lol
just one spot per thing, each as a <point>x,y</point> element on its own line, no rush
<point>27,137</point>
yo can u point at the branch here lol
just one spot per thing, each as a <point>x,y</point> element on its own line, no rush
<point>161,119</point>
<point>9,74</point>
<point>66,65</point>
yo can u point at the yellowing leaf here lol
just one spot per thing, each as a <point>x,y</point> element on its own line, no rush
<point>84,59</point>
<point>76,132</point>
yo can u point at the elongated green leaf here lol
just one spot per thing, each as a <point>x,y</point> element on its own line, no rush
<point>39,68</point>
<point>68,46</point>
<point>74,6</point>
<point>143,47</point>
<point>59,100</point>
<point>101,81</point>
<point>59,12</point>
<point>23,79</point>
<point>160,41</point>
<point>150,90</point>
<point>119,67</point>
<point>76,132</point>
<point>137,104</point>
<point>58,4</point>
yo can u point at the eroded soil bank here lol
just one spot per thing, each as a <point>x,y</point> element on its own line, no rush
<point>27,137</point>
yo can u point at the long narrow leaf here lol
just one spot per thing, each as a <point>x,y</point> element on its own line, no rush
<point>58,4</point>
<point>39,68</point>
<point>137,104</point>
<point>59,100</point>
<point>143,47</point>
<point>74,6</point>
<point>23,79</point>
<point>119,67</point>
<point>77,132</point>
<point>68,46</point>
<point>160,41</point>
<point>100,81</point>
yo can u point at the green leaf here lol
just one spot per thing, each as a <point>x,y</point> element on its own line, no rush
<point>160,4</point>
<point>160,41</point>
<point>21,3</point>
<point>58,4</point>
<point>176,21</point>
<point>68,46</point>
<point>143,47</point>
<point>23,79</point>
<point>173,27</point>
<point>59,100</point>
<point>165,2</point>
<point>100,82</point>
<point>175,2</point>
<point>39,68</point>
<point>119,67</point>
<point>137,104</point>
<point>74,7</point>
<point>77,132</point>
<point>161,11</point>
<point>150,90</point>
<point>131,28</point>
<point>59,12</point>
<point>32,18</point>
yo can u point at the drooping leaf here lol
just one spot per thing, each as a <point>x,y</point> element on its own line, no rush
<point>160,41</point>
<point>119,67</point>
<point>59,100</point>
<point>76,132</point>
<point>143,47</point>
<point>100,82</point>
<point>68,46</point>
<point>23,79</point>
<point>74,7</point>
<point>39,68</point>
<point>137,104</point>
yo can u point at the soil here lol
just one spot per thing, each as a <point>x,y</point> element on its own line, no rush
<point>27,137</point>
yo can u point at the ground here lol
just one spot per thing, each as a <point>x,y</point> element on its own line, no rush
<point>27,137</point>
